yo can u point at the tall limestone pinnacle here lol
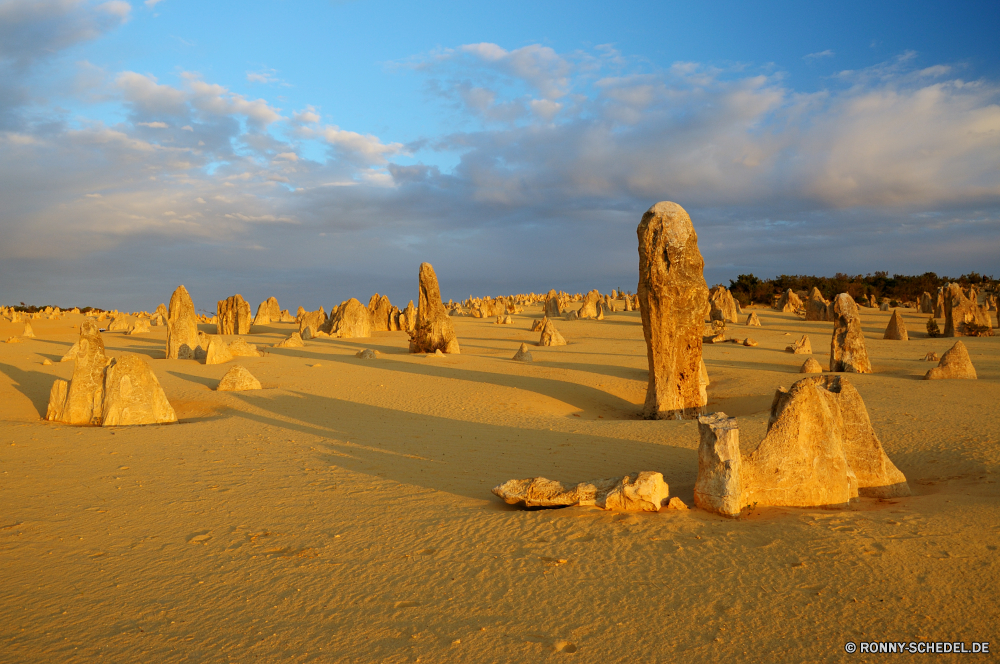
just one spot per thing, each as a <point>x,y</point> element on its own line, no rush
<point>433,330</point>
<point>182,326</point>
<point>673,298</point>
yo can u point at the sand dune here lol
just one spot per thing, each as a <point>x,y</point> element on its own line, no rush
<point>343,513</point>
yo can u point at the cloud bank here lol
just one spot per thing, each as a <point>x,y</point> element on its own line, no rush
<point>557,155</point>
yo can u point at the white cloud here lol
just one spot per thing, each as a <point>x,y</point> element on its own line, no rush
<point>153,125</point>
<point>152,3</point>
<point>821,54</point>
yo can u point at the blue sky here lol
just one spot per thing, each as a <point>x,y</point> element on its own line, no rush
<point>321,150</point>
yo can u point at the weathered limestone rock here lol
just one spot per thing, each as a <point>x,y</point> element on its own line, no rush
<point>269,312</point>
<point>47,362</point>
<point>286,317</point>
<point>817,307</point>
<point>801,347</point>
<point>926,304</point>
<point>723,306</point>
<point>571,314</point>
<point>749,342</point>
<point>132,394</point>
<point>884,306</point>
<point>719,486</point>
<point>638,492</point>
<point>590,303</point>
<point>161,310</point>
<point>811,366</point>
<point>351,321</point>
<point>672,298</point>
<point>552,306</point>
<point>523,354</point>
<point>379,307</point>
<point>820,449</point>
<point>182,326</point>
<point>931,356</point>
<point>233,316</point>
<point>218,352</point>
<point>433,329</point>
<point>847,347</point>
<point>28,332</point>
<point>317,320</point>
<point>141,326</point>
<point>238,379</point>
<point>537,325</point>
<point>955,363</point>
<point>293,340</point>
<point>550,336</point>
<point>789,302</point>
<point>411,317</point>
<point>238,347</point>
<point>896,329</point>
<point>367,354</point>
<point>81,401</point>
<point>752,319</point>
<point>963,316</point>
<point>119,324</point>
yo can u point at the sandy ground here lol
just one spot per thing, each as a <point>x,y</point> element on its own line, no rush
<point>344,513</point>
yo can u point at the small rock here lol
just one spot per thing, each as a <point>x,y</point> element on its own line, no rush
<point>523,354</point>
<point>367,354</point>
<point>749,342</point>
<point>47,362</point>
<point>931,356</point>
<point>238,379</point>
<point>811,366</point>
<point>676,503</point>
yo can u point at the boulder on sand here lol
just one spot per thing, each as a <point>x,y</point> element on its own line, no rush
<point>639,492</point>
<point>217,352</point>
<point>817,308</point>
<point>800,347</point>
<point>896,329</point>
<point>351,321</point>
<point>433,329</point>
<point>811,366</point>
<point>81,401</point>
<point>293,340</point>
<point>752,319</point>
<point>550,336</point>
<point>789,302</point>
<point>955,363</point>
<point>367,354</point>
<point>672,298</point>
<point>523,354</point>
<point>723,306</point>
<point>238,379</point>
<point>820,449</point>
<point>132,394</point>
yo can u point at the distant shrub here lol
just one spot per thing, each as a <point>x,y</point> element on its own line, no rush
<point>932,328</point>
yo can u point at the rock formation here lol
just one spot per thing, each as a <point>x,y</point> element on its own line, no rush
<point>81,400</point>
<point>28,332</point>
<point>926,304</point>
<point>182,327</point>
<point>955,363</point>
<point>367,354</point>
<point>233,316</point>
<point>238,379</point>
<point>801,347</point>
<point>820,449</point>
<point>351,321</point>
<point>638,492</point>
<point>217,352</point>
<point>931,356</point>
<point>523,354</point>
<point>268,312</point>
<point>811,366</point>
<point>672,298</point>
<point>963,316</point>
<point>132,394</point>
<point>433,329</point>
<point>749,342</point>
<point>141,326</point>
<point>119,324</point>
<point>238,347</point>
<point>317,320</point>
<point>293,340</point>
<point>896,329</point>
<point>590,304</point>
<point>550,335</point>
<point>817,307</point>
<point>379,307</point>
<point>752,319</point>
<point>723,306</point>
<point>552,306</point>
<point>789,302</point>
<point>847,347</point>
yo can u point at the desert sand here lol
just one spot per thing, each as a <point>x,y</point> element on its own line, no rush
<point>343,513</point>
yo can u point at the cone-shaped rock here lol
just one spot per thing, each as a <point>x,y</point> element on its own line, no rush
<point>293,340</point>
<point>218,352</point>
<point>789,301</point>
<point>955,363</point>
<point>672,298</point>
<point>752,319</point>
<point>847,347</point>
<point>723,306</point>
<point>638,492</point>
<point>433,330</point>
<point>379,307</point>
<point>817,308</point>
<point>523,354</point>
<point>552,306</point>
<point>896,329</point>
<point>590,303</point>
<point>962,314</point>
<point>238,379</point>
<point>28,332</point>
<point>801,347</point>
<point>811,366</point>
<point>550,335</point>
<point>182,326</point>
<point>132,394</point>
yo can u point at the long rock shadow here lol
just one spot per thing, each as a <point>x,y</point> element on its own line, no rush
<point>580,396</point>
<point>615,371</point>
<point>201,380</point>
<point>35,385</point>
<point>460,457</point>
